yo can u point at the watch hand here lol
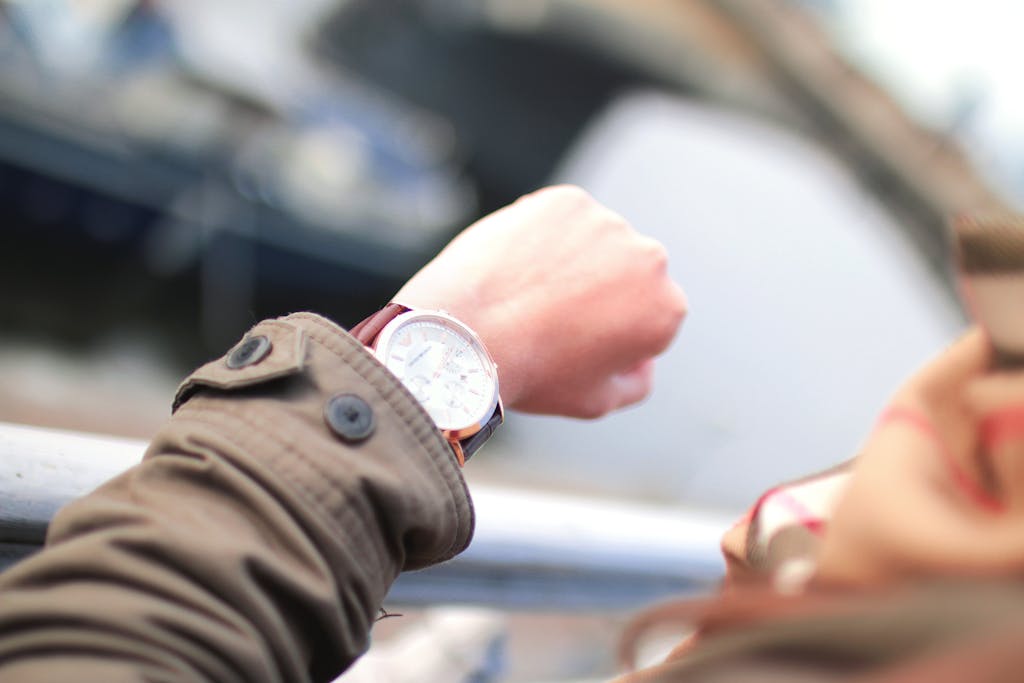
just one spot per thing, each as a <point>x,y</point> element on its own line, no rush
<point>419,356</point>
<point>444,362</point>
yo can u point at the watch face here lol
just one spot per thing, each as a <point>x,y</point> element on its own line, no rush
<point>444,366</point>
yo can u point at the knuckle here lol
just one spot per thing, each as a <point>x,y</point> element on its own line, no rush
<point>662,336</point>
<point>658,255</point>
<point>679,305</point>
<point>572,194</point>
<point>671,312</point>
<point>615,222</point>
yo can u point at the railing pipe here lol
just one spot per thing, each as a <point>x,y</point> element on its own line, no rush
<point>531,550</point>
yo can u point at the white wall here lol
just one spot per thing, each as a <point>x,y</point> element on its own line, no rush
<point>807,309</point>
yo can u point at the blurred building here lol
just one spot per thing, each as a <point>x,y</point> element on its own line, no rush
<point>174,171</point>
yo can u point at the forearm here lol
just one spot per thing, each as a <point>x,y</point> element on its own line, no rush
<point>254,543</point>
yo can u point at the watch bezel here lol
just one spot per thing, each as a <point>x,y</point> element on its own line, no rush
<point>383,340</point>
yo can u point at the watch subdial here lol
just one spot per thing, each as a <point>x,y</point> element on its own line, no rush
<point>419,385</point>
<point>453,391</point>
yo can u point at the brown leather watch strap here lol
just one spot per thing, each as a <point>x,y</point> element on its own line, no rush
<point>368,330</point>
<point>471,444</point>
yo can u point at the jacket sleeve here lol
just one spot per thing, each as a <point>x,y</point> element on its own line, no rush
<point>258,536</point>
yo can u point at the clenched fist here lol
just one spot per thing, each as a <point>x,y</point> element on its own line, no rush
<point>570,300</point>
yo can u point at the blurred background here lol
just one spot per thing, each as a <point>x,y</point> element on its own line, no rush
<point>172,172</point>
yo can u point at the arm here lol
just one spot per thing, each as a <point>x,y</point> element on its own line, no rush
<point>255,541</point>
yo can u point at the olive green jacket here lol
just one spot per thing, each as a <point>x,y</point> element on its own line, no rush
<point>259,535</point>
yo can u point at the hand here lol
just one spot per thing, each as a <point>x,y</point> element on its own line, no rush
<point>939,488</point>
<point>570,300</point>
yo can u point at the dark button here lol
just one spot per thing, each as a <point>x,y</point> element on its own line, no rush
<point>350,417</point>
<point>250,351</point>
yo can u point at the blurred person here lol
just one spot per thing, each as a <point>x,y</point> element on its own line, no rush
<point>298,475</point>
<point>904,564</point>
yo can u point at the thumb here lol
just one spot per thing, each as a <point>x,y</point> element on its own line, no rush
<point>632,386</point>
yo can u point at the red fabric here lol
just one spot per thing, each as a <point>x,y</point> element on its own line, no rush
<point>962,479</point>
<point>1002,426</point>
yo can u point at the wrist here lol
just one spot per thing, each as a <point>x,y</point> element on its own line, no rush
<point>502,346</point>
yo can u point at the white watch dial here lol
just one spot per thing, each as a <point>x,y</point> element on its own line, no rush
<point>447,371</point>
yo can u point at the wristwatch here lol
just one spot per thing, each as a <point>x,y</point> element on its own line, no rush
<point>445,366</point>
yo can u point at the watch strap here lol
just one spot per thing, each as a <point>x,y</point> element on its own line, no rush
<point>471,444</point>
<point>369,329</point>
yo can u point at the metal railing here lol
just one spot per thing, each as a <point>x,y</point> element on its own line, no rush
<point>530,550</point>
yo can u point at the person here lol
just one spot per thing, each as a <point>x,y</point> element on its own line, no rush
<point>904,563</point>
<point>259,535</point>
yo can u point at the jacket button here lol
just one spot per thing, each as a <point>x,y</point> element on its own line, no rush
<point>250,351</point>
<point>350,417</point>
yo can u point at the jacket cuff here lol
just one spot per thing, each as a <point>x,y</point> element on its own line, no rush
<point>299,400</point>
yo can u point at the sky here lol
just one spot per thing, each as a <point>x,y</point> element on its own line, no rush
<point>955,65</point>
